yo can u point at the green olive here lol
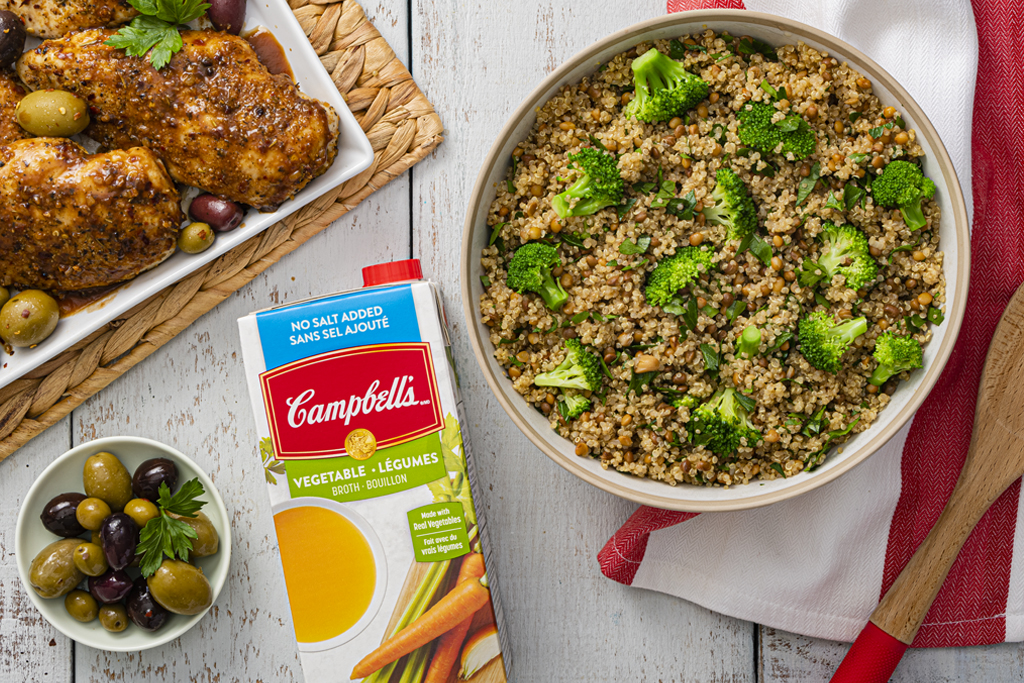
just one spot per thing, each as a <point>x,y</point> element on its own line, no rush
<point>91,512</point>
<point>141,510</point>
<point>207,540</point>
<point>81,606</point>
<point>90,560</point>
<point>180,588</point>
<point>52,113</point>
<point>53,572</point>
<point>106,478</point>
<point>5,294</point>
<point>195,237</point>
<point>95,538</point>
<point>28,318</point>
<point>114,617</point>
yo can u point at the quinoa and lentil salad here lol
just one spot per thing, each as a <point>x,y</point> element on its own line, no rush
<point>694,280</point>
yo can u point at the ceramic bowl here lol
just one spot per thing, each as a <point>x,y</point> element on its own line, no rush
<point>954,235</point>
<point>65,475</point>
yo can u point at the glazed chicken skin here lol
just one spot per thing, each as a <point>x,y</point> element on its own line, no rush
<point>215,115</point>
<point>70,220</point>
<point>54,18</point>
<point>11,93</point>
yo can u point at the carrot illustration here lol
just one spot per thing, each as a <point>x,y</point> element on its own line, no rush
<point>448,647</point>
<point>450,611</point>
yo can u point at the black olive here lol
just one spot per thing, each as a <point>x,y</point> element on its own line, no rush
<point>12,38</point>
<point>150,474</point>
<point>59,515</point>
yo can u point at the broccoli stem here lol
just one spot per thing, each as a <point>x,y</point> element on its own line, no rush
<point>850,330</point>
<point>913,216</point>
<point>552,292</point>
<point>881,375</point>
<point>749,342</point>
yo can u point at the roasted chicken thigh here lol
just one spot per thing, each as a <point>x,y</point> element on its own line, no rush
<point>215,115</point>
<point>54,18</point>
<point>11,93</point>
<point>70,220</point>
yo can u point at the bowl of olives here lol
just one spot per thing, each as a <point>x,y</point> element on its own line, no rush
<point>123,543</point>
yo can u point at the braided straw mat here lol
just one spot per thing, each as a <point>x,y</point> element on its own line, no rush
<point>403,128</point>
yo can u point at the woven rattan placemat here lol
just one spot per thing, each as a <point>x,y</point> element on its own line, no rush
<point>403,128</point>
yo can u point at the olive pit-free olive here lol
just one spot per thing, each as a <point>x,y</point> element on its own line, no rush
<point>52,114</point>
<point>81,606</point>
<point>91,512</point>
<point>28,318</point>
<point>53,572</point>
<point>207,540</point>
<point>151,474</point>
<point>141,510</point>
<point>90,560</point>
<point>106,478</point>
<point>195,238</point>
<point>180,588</point>
<point>114,618</point>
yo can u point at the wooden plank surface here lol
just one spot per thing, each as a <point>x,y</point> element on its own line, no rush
<point>475,61</point>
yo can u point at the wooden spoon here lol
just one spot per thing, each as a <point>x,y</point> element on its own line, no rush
<point>994,461</point>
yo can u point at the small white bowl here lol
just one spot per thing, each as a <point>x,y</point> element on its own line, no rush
<point>65,475</point>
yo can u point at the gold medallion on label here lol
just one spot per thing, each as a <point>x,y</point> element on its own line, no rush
<point>361,444</point>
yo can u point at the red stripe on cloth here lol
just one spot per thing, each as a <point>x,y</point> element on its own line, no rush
<point>970,607</point>
<point>621,556</point>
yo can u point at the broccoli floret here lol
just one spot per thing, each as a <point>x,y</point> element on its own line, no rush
<point>749,342</point>
<point>733,206</point>
<point>894,355</point>
<point>574,406</point>
<point>580,370</point>
<point>823,343</point>
<point>903,184</point>
<point>723,422</point>
<point>530,269</point>
<point>598,187</point>
<point>689,401</point>
<point>848,255</point>
<point>757,130</point>
<point>675,272</point>
<point>663,88</point>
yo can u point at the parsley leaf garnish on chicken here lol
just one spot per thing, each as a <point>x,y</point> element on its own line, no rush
<point>600,186</point>
<point>156,31</point>
<point>663,88</point>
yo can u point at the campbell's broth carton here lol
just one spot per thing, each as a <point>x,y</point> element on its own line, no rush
<point>360,424</point>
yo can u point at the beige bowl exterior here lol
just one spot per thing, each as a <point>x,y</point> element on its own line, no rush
<point>955,241</point>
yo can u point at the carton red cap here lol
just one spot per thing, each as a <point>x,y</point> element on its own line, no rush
<point>395,271</point>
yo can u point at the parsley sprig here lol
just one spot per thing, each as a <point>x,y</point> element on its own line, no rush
<point>164,535</point>
<point>156,31</point>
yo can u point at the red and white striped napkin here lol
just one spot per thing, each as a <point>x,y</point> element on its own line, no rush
<point>818,564</point>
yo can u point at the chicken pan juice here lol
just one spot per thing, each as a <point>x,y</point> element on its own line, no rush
<point>359,418</point>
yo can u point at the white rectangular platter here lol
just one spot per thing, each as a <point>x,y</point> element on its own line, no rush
<point>354,156</point>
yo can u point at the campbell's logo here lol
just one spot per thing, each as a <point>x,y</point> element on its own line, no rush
<point>314,403</point>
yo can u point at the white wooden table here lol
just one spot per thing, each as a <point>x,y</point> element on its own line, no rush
<point>475,61</point>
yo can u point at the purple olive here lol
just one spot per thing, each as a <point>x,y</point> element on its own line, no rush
<point>12,38</point>
<point>223,215</point>
<point>227,15</point>
<point>59,515</point>
<point>143,610</point>
<point>110,587</point>
<point>150,474</point>
<point>119,535</point>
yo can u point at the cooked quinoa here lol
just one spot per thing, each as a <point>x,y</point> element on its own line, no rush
<point>801,412</point>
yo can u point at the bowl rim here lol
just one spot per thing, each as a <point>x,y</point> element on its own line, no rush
<point>953,318</point>
<point>110,443</point>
